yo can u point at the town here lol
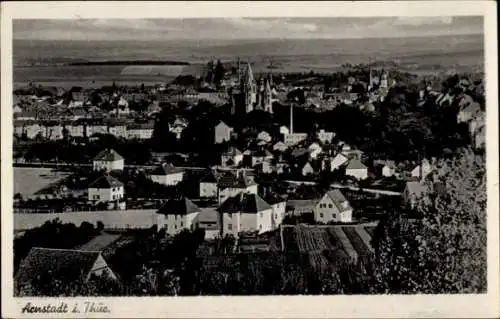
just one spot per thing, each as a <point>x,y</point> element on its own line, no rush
<point>229,181</point>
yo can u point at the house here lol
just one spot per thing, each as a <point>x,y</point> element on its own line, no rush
<point>105,189</point>
<point>141,131</point>
<point>26,115</point>
<point>413,192</point>
<point>356,169</point>
<point>422,170</point>
<point>265,167</point>
<point>325,137</point>
<point>96,127</point>
<point>230,184</point>
<point>297,207</point>
<point>76,129</point>
<point>53,130</point>
<point>177,214</point>
<point>389,169</point>
<point>209,220</point>
<point>333,207</point>
<point>307,169</point>
<point>167,174</point>
<point>264,136</point>
<point>64,264</point>
<point>223,132</point>
<point>108,160</point>
<point>17,109</point>
<point>231,157</point>
<point>282,167</point>
<point>280,147</point>
<point>337,161</point>
<point>261,156</point>
<point>278,205</point>
<point>246,212</point>
<point>314,150</point>
<point>294,138</point>
<point>117,128</point>
<point>208,185</point>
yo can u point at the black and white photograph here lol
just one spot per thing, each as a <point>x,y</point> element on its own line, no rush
<point>248,156</point>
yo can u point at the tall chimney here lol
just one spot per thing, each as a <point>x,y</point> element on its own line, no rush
<point>291,118</point>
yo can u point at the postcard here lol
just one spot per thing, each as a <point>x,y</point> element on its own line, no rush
<point>249,159</point>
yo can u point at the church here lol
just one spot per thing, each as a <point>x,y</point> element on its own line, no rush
<point>252,94</point>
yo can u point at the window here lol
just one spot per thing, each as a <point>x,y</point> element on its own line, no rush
<point>321,215</point>
<point>334,216</point>
<point>230,215</point>
<point>175,226</point>
<point>182,224</point>
<point>260,226</point>
<point>330,206</point>
<point>275,216</point>
<point>261,214</point>
<point>96,197</point>
<point>230,226</point>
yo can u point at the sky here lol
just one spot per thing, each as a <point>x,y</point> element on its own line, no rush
<point>244,28</point>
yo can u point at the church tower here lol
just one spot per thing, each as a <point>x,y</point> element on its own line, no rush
<point>383,80</point>
<point>268,97</point>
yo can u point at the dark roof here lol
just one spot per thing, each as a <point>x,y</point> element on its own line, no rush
<point>108,155</point>
<point>244,202</point>
<point>178,206</point>
<point>338,198</point>
<point>209,178</point>
<point>67,263</point>
<point>230,180</point>
<point>166,169</point>
<point>105,181</point>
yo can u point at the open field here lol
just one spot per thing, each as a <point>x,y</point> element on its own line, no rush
<point>28,181</point>
<point>99,242</point>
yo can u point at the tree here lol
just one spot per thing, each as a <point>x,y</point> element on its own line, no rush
<point>444,251</point>
<point>219,72</point>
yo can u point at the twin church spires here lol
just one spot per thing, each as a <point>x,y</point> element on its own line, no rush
<point>257,93</point>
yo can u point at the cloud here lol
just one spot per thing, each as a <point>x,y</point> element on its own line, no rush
<point>417,21</point>
<point>244,28</point>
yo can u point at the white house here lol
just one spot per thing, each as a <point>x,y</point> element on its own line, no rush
<point>231,157</point>
<point>142,131</point>
<point>178,214</point>
<point>307,169</point>
<point>209,220</point>
<point>389,169</point>
<point>105,189</point>
<point>223,132</point>
<point>108,160</point>
<point>246,212</point>
<point>167,174</point>
<point>337,161</point>
<point>333,207</point>
<point>278,205</point>
<point>208,185</point>
<point>230,184</point>
<point>356,169</point>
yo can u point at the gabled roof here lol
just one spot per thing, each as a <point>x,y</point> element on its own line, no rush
<point>222,124</point>
<point>338,198</point>
<point>244,202</point>
<point>230,180</point>
<point>355,164</point>
<point>178,206</point>
<point>69,264</point>
<point>105,181</point>
<point>166,169</point>
<point>108,155</point>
